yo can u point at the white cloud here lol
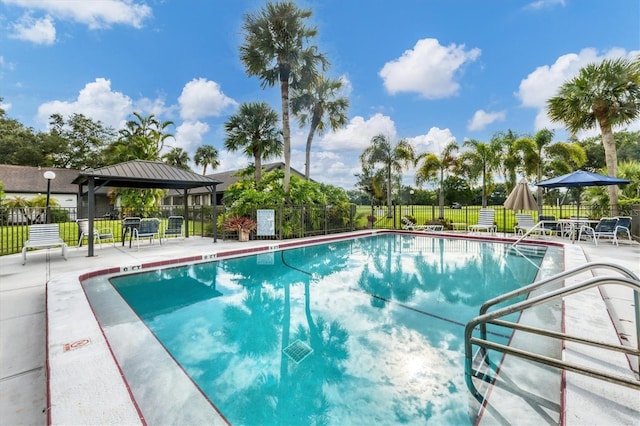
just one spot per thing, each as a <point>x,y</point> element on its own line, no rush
<point>541,4</point>
<point>189,135</point>
<point>429,69</point>
<point>38,31</point>
<point>96,101</point>
<point>434,141</point>
<point>543,83</point>
<point>482,118</point>
<point>357,135</point>
<point>94,13</point>
<point>203,98</point>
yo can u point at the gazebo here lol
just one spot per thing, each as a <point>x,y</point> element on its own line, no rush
<point>142,174</point>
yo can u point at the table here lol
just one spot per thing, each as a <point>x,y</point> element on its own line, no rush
<point>128,226</point>
<point>569,227</point>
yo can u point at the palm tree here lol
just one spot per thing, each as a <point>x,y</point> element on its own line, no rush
<point>435,168</point>
<point>275,49</point>
<point>480,161</point>
<point>177,157</point>
<point>511,159</point>
<point>253,130</point>
<point>206,155</point>
<point>391,158</point>
<point>532,150</point>
<point>604,95</point>
<point>142,139</point>
<point>312,104</point>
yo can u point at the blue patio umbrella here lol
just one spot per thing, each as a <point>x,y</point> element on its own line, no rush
<point>579,179</point>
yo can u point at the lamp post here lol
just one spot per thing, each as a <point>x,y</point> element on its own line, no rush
<point>411,200</point>
<point>48,175</point>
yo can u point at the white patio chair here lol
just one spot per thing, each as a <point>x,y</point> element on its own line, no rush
<point>485,222</point>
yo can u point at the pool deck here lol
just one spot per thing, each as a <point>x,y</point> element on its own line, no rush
<point>23,333</point>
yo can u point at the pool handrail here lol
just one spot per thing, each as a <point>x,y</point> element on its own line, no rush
<point>631,280</point>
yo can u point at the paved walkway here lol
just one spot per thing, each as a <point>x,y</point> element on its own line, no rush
<point>22,307</point>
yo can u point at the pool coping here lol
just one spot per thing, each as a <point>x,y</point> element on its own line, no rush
<point>66,379</point>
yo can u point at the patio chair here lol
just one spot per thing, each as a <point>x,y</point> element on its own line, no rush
<point>527,225</point>
<point>175,227</point>
<point>549,222</point>
<point>149,228</point>
<point>410,226</point>
<point>99,234</point>
<point>606,227</point>
<point>624,226</point>
<point>485,222</point>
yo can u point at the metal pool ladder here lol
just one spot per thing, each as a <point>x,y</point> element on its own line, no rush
<point>626,278</point>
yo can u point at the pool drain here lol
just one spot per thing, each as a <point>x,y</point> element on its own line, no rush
<point>298,351</point>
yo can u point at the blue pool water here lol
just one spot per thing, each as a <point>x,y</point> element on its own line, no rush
<point>363,331</point>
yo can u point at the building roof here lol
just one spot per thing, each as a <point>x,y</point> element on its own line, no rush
<point>229,177</point>
<point>29,179</point>
<point>145,174</point>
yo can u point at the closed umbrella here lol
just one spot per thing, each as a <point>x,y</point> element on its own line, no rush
<point>521,198</point>
<point>579,179</point>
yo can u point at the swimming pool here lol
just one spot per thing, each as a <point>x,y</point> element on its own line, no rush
<point>351,332</point>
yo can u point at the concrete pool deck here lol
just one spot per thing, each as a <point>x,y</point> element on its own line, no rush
<point>23,325</point>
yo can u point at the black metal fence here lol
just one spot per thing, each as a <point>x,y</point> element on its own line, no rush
<point>282,222</point>
<point>286,222</point>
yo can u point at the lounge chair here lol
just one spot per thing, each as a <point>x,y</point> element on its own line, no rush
<point>149,228</point>
<point>623,226</point>
<point>606,228</point>
<point>99,234</point>
<point>175,227</point>
<point>485,222</point>
<point>410,226</point>
<point>527,225</point>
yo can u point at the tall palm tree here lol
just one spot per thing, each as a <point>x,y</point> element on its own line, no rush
<point>604,95</point>
<point>253,130</point>
<point>435,168</point>
<point>177,157</point>
<point>142,138</point>
<point>481,161</point>
<point>311,105</point>
<point>276,50</point>
<point>532,152</point>
<point>206,155</point>
<point>393,159</point>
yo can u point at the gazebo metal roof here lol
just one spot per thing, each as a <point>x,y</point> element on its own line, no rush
<point>145,174</point>
<point>142,174</point>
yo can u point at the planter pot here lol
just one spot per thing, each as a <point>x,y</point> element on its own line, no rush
<point>243,235</point>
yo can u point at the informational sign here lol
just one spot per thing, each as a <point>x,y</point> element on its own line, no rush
<point>266,223</point>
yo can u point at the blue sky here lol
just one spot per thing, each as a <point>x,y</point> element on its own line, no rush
<point>429,71</point>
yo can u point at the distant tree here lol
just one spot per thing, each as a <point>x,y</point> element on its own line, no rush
<point>22,146</point>
<point>457,189</point>
<point>511,159</point>
<point>206,155</point>
<point>430,167</point>
<point>480,162</point>
<point>532,152</point>
<point>392,159</point>
<point>253,130</point>
<point>603,95</point>
<point>177,157</point>
<point>143,138</point>
<point>276,49</point>
<point>82,141</point>
<point>313,104</point>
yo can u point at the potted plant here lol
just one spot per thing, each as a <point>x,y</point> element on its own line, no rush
<point>244,225</point>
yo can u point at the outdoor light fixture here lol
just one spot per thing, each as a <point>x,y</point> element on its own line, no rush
<point>48,175</point>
